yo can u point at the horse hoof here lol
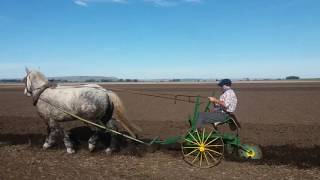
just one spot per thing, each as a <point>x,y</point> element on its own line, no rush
<point>91,147</point>
<point>109,151</point>
<point>46,146</point>
<point>70,151</point>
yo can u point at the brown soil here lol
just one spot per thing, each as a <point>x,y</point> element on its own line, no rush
<point>281,118</point>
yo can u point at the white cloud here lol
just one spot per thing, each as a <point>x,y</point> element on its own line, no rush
<point>163,3</point>
<point>193,1</point>
<point>158,3</point>
<point>170,3</point>
<point>85,3</point>
<point>80,3</point>
<point>106,1</point>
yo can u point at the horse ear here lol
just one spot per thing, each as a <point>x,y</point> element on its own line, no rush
<point>27,70</point>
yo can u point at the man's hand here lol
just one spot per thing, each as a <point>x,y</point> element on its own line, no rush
<point>217,101</point>
<point>213,99</point>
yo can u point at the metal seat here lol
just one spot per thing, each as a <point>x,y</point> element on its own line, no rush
<point>233,122</point>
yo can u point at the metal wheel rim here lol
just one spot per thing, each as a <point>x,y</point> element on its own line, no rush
<point>202,151</point>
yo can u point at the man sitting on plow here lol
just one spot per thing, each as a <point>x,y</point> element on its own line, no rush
<point>223,108</point>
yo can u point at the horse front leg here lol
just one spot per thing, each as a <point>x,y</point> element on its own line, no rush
<point>53,133</point>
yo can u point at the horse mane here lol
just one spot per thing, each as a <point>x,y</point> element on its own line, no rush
<point>39,76</point>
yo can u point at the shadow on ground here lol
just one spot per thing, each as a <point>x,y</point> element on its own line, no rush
<point>291,155</point>
<point>80,137</point>
<point>301,157</point>
<point>20,139</point>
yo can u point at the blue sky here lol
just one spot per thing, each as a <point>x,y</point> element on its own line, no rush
<point>161,38</point>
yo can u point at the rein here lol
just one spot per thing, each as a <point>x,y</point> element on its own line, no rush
<point>97,125</point>
<point>174,97</point>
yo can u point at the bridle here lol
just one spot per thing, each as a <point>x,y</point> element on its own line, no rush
<point>25,80</point>
<point>31,90</point>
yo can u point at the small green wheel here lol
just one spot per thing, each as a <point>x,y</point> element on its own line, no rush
<point>250,151</point>
<point>201,149</point>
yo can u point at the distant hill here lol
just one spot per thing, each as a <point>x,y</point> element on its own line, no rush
<point>83,79</point>
<point>10,80</point>
<point>177,80</point>
<point>97,79</point>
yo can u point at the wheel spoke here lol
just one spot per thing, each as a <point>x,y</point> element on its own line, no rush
<point>200,159</point>
<point>211,141</point>
<point>214,151</point>
<point>205,156</point>
<point>191,152</point>
<point>190,147</point>
<point>195,158</point>
<point>208,137</point>
<point>191,142</point>
<point>212,157</point>
<point>199,138</point>
<point>203,133</point>
<point>214,145</point>
<point>194,139</point>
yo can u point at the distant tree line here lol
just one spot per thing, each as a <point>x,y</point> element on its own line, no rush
<point>94,80</point>
<point>58,80</point>
<point>110,80</point>
<point>175,80</point>
<point>127,80</point>
<point>10,80</point>
<point>292,77</point>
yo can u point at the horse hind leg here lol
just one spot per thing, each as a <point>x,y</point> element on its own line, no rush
<point>113,146</point>
<point>93,141</point>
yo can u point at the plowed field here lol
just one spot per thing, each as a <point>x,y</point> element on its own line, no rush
<point>283,118</point>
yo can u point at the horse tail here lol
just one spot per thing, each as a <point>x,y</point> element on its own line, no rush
<point>120,112</point>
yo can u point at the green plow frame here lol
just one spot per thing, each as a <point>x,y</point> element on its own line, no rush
<point>228,138</point>
<point>192,122</point>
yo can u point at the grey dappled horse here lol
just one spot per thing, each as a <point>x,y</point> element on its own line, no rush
<point>91,102</point>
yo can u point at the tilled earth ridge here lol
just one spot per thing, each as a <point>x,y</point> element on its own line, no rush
<point>281,118</point>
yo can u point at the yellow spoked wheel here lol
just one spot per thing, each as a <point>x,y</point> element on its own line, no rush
<point>201,149</point>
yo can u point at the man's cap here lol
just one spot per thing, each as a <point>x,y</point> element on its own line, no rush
<point>225,82</point>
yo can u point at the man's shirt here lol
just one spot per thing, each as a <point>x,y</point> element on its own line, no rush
<point>230,100</point>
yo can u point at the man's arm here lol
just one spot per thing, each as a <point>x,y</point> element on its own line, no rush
<point>217,101</point>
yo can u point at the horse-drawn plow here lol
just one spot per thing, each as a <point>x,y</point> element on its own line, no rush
<point>200,147</point>
<point>206,149</point>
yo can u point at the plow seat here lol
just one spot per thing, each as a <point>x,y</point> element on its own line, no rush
<point>220,118</point>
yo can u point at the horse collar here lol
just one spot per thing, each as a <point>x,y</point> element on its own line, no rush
<point>36,96</point>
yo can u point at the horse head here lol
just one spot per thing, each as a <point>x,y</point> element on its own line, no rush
<point>33,81</point>
<point>27,83</point>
